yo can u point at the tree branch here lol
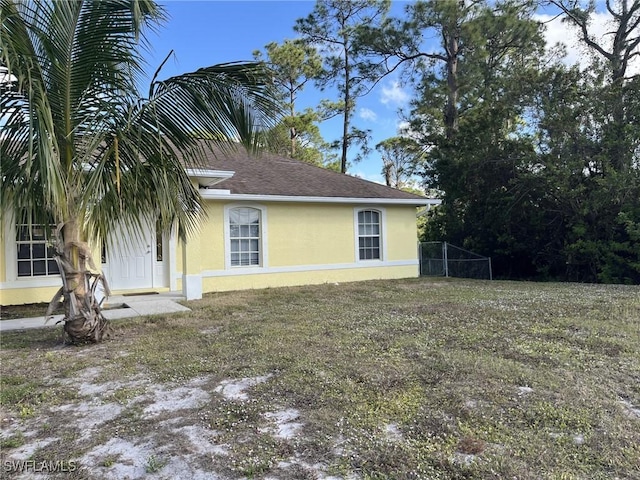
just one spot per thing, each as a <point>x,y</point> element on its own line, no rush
<point>582,24</point>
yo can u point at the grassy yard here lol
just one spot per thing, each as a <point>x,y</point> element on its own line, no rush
<point>413,379</point>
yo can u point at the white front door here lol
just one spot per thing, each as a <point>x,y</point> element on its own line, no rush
<point>133,263</point>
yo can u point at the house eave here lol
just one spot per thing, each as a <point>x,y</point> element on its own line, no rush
<point>215,194</point>
<point>208,178</point>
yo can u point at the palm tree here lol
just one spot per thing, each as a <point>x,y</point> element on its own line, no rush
<point>82,150</point>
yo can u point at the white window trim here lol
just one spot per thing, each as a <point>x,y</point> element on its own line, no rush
<point>264,257</point>
<point>383,233</point>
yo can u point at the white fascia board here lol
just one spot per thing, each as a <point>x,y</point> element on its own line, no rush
<point>213,194</point>
<point>208,178</point>
<point>220,193</point>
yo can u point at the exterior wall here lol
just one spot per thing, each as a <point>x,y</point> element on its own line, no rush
<point>302,244</point>
<point>306,244</point>
<point>20,290</point>
<point>19,296</point>
<point>402,235</point>
<point>17,291</point>
<point>310,235</point>
<point>3,261</point>
<point>312,277</point>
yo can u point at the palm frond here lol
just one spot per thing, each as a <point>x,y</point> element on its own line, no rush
<point>227,101</point>
<point>32,182</point>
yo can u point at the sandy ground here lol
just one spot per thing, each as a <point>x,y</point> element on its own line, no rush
<point>175,446</point>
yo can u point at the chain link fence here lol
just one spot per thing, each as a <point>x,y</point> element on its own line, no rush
<point>445,260</point>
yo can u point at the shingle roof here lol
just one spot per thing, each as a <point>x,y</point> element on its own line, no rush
<point>268,174</point>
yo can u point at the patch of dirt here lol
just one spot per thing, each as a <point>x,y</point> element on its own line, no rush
<point>285,425</point>
<point>235,389</point>
<point>118,458</point>
<point>26,451</point>
<point>181,398</point>
<point>392,432</point>
<point>202,440</point>
<point>632,410</point>
<point>89,416</point>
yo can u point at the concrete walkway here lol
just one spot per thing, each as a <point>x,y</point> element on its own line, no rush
<point>118,306</point>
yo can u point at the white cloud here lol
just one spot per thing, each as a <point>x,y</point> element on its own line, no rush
<point>566,34</point>
<point>367,114</point>
<point>393,93</point>
<point>403,127</point>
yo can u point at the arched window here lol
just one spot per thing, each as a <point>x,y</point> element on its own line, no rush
<point>369,235</point>
<point>245,239</point>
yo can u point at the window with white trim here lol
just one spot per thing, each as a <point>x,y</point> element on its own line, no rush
<point>245,236</point>
<point>369,241</point>
<point>35,254</point>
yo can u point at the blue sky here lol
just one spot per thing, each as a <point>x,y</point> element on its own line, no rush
<point>203,33</point>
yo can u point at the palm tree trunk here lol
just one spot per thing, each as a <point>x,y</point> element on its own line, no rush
<point>83,320</point>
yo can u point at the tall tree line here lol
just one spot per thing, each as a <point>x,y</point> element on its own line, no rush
<point>538,162</point>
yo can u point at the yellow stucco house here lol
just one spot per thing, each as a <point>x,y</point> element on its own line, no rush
<point>271,222</point>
